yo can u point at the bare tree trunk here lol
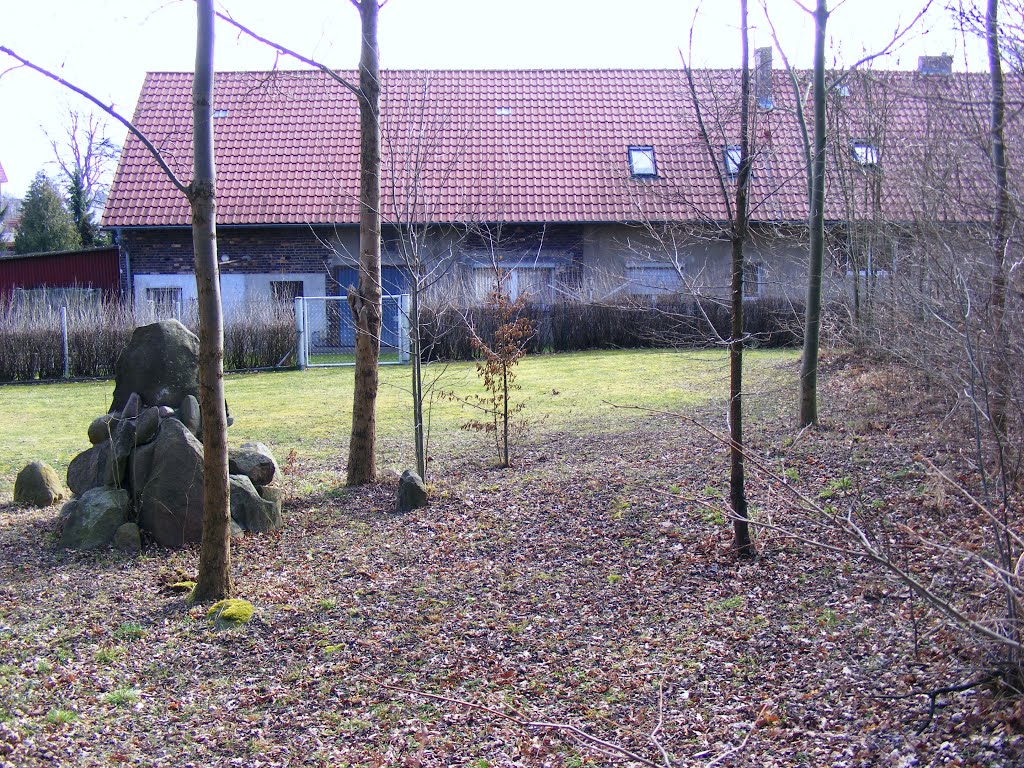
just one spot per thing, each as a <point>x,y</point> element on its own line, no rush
<point>998,378</point>
<point>365,303</point>
<point>214,581</point>
<point>812,320</point>
<point>737,493</point>
<point>416,357</point>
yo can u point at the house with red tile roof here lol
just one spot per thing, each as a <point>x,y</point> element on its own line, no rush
<point>594,183</point>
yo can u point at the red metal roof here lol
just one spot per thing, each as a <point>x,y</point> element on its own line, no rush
<point>88,268</point>
<point>540,146</point>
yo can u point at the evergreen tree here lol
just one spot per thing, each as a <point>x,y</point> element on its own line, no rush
<point>46,224</point>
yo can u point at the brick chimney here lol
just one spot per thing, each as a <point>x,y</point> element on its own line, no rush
<point>763,77</point>
<point>935,65</point>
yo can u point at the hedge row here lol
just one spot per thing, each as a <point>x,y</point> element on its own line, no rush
<point>31,346</point>
<point>573,327</point>
<point>264,335</point>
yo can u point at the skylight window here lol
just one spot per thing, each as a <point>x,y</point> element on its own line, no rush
<point>502,111</point>
<point>732,155</point>
<point>864,153</point>
<point>642,163</point>
<point>219,113</point>
<point>841,89</point>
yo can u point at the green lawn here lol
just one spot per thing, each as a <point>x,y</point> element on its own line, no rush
<point>310,411</point>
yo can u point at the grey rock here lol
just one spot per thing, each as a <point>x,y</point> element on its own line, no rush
<point>237,532</point>
<point>255,461</point>
<point>160,363</point>
<point>122,441</point>
<point>249,509</point>
<point>189,414</point>
<point>88,469</point>
<point>146,425</point>
<point>164,411</point>
<point>275,495</point>
<point>412,493</point>
<point>171,498</point>
<point>128,538</point>
<point>132,406</point>
<point>92,520</point>
<point>38,485</point>
<point>139,466</point>
<point>101,427</point>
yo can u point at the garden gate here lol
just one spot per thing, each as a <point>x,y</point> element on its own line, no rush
<point>327,335</point>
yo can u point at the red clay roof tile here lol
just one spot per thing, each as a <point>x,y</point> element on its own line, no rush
<point>288,146</point>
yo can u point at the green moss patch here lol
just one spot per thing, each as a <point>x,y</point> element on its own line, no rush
<point>230,613</point>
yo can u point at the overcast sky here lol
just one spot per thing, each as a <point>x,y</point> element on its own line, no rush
<point>109,49</point>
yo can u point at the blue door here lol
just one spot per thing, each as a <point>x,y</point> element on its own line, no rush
<point>394,282</point>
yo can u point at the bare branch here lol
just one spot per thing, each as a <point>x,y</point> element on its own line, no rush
<point>293,54</point>
<point>182,187</point>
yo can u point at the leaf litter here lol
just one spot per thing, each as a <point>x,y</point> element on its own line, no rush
<point>590,585</point>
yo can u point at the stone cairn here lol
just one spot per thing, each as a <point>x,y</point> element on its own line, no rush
<point>145,467</point>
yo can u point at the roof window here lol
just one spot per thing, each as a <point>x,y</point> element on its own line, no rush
<point>502,111</point>
<point>732,156</point>
<point>642,163</point>
<point>864,152</point>
<point>841,89</point>
<point>219,113</point>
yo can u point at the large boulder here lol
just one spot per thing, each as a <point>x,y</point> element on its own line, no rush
<point>161,363</point>
<point>92,520</point>
<point>38,485</point>
<point>255,461</point>
<point>170,499</point>
<point>250,510</point>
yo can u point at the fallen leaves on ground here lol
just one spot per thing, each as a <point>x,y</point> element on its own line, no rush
<point>591,585</point>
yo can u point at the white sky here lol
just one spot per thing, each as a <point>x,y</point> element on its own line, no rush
<point>107,46</point>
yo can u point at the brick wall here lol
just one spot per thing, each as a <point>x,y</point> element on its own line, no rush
<point>242,250</point>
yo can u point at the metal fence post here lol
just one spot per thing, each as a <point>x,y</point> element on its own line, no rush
<point>300,333</point>
<point>64,340</point>
<point>403,328</point>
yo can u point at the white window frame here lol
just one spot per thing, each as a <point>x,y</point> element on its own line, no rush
<point>732,157</point>
<point>653,283</point>
<point>642,162</point>
<point>865,153</point>
<point>758,269</point>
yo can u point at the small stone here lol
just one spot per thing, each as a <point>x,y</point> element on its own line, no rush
<point>250,510</point>
<point>132,406</point>
<point>99,430</point>
<point>38,485</point>
<point>189,414</point>
<point>255,461</point>
<point>88,469</point>
<point>128,538</point>
<point>412,493</point>
<point>147,425</point>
